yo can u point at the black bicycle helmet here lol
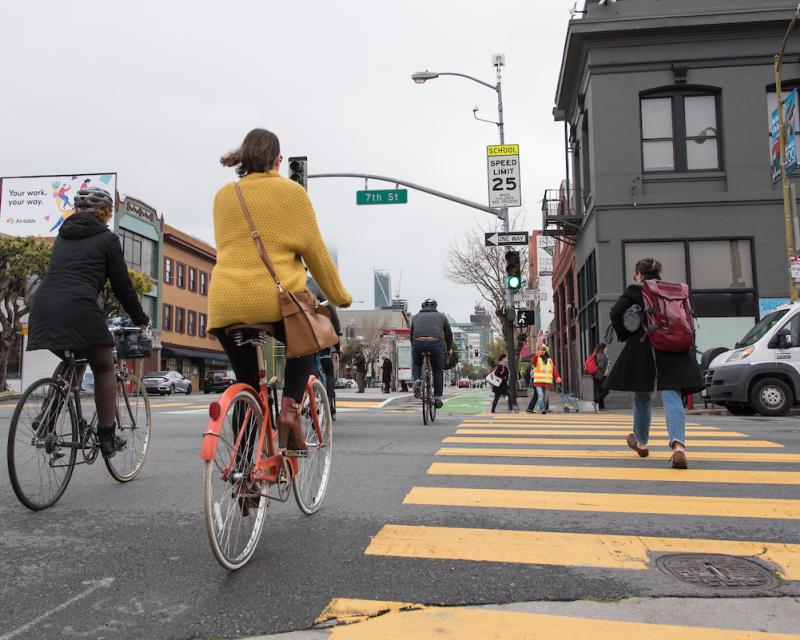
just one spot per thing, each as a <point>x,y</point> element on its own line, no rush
<point>429,303</point>
<point>93,199</point>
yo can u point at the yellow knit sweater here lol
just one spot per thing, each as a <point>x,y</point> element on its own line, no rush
<point>241,289</point>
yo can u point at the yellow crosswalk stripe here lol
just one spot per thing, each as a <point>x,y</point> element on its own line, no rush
<point>747,444</point>
<point>464,623</point>
<point>355,404</point>
<point>584,432</point>
<point>608,425</point>
<point>614,473</point>
<point>565,549</point>
<point>726,456</point>
<point>606,502</point>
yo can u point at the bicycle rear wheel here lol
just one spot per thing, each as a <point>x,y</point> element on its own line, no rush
<point>233,504</point>
<point>42,444</point>
<point>134,423</point>
<point>314,471</point>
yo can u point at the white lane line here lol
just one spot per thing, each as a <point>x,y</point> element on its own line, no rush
<point>103,583</point>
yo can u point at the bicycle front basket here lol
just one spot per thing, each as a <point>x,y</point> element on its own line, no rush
<point>131,344</point>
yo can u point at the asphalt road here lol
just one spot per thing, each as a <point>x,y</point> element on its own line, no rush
<point>132,561</point>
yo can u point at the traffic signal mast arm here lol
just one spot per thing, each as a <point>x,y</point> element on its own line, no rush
<point>411,185</point>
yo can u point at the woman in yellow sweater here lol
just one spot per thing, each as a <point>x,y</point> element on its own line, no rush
<point>241,289</point>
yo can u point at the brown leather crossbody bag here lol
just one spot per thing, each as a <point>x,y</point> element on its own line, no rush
<point>306,321</point>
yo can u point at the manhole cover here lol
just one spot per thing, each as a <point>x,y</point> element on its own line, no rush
<point>716,571</point>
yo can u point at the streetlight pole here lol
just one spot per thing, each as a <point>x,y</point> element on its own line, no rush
<point>508,319</point>
<point>787,199</point>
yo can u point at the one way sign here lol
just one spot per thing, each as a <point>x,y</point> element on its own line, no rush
<point>505,238</point>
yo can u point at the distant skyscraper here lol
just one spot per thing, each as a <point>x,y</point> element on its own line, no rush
<point>383,289</point>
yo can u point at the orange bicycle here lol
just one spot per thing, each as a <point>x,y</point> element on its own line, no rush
<point>244,467</point>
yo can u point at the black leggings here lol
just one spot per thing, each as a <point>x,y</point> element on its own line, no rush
<point>101,360</point>
<point>244,361</point>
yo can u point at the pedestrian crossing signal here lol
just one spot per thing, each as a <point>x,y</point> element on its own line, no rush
<point>513,270</point>
<point>298,167</point>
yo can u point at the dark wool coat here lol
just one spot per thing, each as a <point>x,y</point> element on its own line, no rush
<point>502,372</point>
<point>65,314</point>
<point>387,370</point>
<point>635,370</point>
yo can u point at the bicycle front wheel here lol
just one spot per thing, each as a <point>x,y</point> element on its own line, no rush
<point>233,503</point>
<point>432,410</point>
<point>314,471</point>
<point>42,444</point>
<point>134,423</point>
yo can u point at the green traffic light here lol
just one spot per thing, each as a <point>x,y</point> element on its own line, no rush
<point>513,282</point>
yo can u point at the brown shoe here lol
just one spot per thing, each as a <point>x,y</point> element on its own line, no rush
<point>642,451</point>
<point>290,433</point>
<point>679,459</point>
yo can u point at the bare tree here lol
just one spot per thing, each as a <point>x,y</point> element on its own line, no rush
<point>469,262</point>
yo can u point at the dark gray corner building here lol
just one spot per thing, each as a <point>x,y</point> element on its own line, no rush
<point>666,106</point>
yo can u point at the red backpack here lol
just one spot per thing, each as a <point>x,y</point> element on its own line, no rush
<point>590,366</point>
<point>670,324</point>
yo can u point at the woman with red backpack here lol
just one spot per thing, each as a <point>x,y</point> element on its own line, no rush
<point>596,366</point>
<point>642,367</point>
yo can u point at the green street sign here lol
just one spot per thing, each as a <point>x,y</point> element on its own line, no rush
<point>382,196</point>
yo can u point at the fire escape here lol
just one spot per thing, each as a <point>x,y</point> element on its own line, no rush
<point>561,218</point>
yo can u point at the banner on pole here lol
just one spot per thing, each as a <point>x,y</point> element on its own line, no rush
<point>792,127</point>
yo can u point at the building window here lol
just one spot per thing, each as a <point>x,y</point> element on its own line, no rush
<point>680,131</point>
<point>587,306</point>
<point>203,283</point>
<point>180,281</point>
<point>203,320</point>
<point>191,325</point>
<point>167,317</point>
<point>179,315</point>
<point>671,255</point>
<point>192,279</point>
<point>168,267</point>
<point>131,248</point>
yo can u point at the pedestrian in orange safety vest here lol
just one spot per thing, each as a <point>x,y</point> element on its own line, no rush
<point>544,372</point>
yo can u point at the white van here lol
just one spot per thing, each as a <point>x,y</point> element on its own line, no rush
<point>762,373</point>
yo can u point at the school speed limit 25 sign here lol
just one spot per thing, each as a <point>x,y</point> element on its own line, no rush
<point>502,163</point>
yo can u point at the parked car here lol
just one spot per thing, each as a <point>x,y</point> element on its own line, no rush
<point>345,383</point>
<point>762,373</point>
<point>464,383</point>
<point>163,382</point>
<point>218,380</point>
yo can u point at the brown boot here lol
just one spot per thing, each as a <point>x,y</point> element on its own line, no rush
<point>290,433</point>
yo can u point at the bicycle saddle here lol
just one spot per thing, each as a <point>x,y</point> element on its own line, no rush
<point>254,334</point>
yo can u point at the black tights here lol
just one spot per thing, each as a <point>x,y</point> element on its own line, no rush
<point>244,361</point>
<point>101,360</point>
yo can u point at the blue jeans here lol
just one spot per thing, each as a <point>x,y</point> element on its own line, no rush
<point>544,398</point>
<point>434,347</point>
<point>673,411</point>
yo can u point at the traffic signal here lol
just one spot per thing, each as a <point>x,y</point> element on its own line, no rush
<point>513,270</point>
<point>526,318</point>
<point>298,168</point>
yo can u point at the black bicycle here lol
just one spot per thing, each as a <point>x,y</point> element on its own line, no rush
<point>48,428</point>
<point>426,393</point>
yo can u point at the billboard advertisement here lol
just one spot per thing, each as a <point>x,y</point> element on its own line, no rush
<point>38,205</point>
<point>791,117</point>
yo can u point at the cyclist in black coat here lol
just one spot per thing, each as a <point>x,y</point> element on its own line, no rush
<point>66,315</point>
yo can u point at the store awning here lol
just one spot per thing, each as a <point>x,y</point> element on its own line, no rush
<point>218,356</point>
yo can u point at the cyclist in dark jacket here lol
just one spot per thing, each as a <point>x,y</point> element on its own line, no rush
<point>428,329</point>
<point>66,316</point>
<point>326,355</point>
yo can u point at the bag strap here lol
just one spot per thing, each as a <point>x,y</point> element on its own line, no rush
<point>262,251</point>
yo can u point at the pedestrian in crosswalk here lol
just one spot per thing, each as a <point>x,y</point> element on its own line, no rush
<point>641,368</point>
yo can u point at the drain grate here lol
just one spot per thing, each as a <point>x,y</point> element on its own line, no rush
<point>716,571</point>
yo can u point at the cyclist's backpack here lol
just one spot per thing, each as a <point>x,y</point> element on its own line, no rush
<point>670,324</point>
<point>590,366</point>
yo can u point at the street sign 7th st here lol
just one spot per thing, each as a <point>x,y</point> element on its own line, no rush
<point>505,238</point>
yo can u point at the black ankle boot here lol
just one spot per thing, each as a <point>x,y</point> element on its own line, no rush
<point>110,443</point>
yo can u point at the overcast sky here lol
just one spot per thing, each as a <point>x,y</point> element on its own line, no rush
<point>157,91</point>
